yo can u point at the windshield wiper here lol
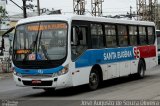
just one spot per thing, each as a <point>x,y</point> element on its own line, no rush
<point>42,47</point>
<point>36,40</point>
<point>45,52</point>
<point>33,44</point>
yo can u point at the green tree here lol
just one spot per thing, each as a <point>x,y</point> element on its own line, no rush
<point>3,12</point>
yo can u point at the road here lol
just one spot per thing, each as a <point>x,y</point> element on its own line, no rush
<point>124,88</point>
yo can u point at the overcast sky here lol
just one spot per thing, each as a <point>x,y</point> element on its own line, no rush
<point>109,6</point>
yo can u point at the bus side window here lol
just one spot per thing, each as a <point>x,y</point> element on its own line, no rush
<point>142,35</point>
<point>97,36</point>
<point>151,35</point>
<point>110,33</point>
<point>77,35</point>
<point>78,41</point>
<point>122,35</point>
<point>133,35</point>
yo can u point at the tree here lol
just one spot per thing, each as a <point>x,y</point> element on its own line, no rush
<point>3,15</point>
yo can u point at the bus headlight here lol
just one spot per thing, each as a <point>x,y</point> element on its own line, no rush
<point>62,72</point>
<point>17,74</point>
<point>54,75</point>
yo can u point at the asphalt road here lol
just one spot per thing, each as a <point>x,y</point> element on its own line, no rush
<point>125,88</point>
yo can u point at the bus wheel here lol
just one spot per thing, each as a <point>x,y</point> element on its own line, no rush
<point>93,80</point>
<point>141,69</point>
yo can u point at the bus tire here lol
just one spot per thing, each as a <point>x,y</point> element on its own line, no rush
<point>94,80</point>
<point>141,69</point>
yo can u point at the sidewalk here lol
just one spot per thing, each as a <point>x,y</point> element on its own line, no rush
<point>4,76</point>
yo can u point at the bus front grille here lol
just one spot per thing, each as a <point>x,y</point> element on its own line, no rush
<point>38,76</point>
<point>43,83</point>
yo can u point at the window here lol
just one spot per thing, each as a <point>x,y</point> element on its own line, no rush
<point>96,29</point>
<point>45,43</point>
<point>142,36</point>
<point>81,45</point>
<point>150,31</point>
<point>110,32</point>
<point>97,36</point>
<point>122,35</point>
<point>133,35</point>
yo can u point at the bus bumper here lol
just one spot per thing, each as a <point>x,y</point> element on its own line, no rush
<point>59,82</point>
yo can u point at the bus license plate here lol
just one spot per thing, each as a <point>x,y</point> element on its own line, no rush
<point>36,81</point>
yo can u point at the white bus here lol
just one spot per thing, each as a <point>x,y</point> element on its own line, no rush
<point>60,51</point>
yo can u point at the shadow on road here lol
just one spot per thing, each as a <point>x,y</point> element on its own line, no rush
<point>83,89</point>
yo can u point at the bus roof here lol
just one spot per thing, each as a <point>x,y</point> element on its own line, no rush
<point>84,18</point>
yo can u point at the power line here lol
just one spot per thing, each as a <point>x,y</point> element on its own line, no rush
<point>24,7</point>
<point>16,4</point>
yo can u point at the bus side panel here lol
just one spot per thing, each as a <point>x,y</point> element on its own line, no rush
<point>109,71</point>
<point>80,76</point>
<point>118,69</point>
<point>147,51</point>
<point>111,60</point>
<point>134,66</point>
<point>149,54</point>
<point>151,62</point>
<point>147,61</point>
<point>124,68</point>
<point>114,62</point>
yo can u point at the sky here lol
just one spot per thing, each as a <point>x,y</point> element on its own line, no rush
<point>110,7</point>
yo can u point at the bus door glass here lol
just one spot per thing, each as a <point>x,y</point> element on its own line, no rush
<point>78,41</point>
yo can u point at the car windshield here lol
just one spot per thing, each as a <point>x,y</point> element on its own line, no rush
<point>40,41</point>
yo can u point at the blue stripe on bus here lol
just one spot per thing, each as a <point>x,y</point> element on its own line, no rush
<point>38,71</point>
<point>109,55</point>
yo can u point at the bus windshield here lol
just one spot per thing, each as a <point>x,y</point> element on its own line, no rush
<point>40,41</point>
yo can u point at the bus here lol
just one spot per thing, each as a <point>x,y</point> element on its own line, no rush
<point>158,44</point>
<point>60,51</point>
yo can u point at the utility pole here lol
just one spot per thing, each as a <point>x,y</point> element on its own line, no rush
<point>24,9</point>
<point>38,7</point>
<point>96,7</point>
<point>130,12</point>
<point>79,7</point>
